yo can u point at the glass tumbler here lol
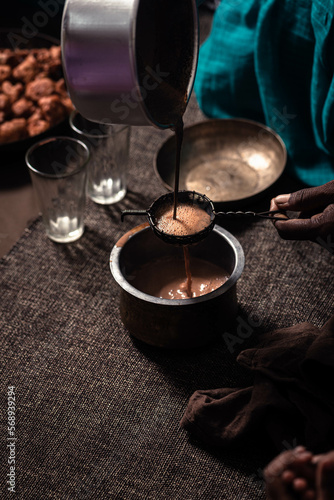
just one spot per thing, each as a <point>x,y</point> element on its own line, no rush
<point>58,171</point>
<point>108,164</point>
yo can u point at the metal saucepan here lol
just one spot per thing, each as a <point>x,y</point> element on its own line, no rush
<point>126,60</point>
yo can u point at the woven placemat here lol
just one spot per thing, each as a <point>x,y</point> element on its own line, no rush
<point>97,413</point>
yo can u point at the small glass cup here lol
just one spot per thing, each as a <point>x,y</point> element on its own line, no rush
<point>58,171</point>
<point>109,149</point>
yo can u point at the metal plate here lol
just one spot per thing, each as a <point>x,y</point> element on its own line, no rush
<point>38,41</point>
<point>228,160</point>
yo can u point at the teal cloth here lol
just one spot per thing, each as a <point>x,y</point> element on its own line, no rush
<point>273,61</point>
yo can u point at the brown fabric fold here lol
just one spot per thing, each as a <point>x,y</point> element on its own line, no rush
<point>291,400</point>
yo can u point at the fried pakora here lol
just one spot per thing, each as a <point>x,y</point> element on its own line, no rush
<point>33,95</point>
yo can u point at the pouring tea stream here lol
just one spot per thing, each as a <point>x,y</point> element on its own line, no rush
<point>131,62</point>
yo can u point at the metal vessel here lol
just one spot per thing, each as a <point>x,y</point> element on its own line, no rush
<point>123,59</point>
<point>184,323</point>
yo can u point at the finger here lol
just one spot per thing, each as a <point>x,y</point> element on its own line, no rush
<point>299,484</point>
<point>307,199</point>
<point>274,208</point>
<point>273,205</point>
<point>288,476</point>
<point>325,477</point>
<point>303,457</point>
<point>316,458</point>
<point>298,229</point>
<point>309,495</point>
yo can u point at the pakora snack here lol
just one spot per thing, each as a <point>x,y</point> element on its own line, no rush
<point>52,108</point>
<point>25,71</point>
<point>23,107</point>
<point>4,103</point>
<point>33,95</point>
<point>13,91</point>
<point>5,72</point>
<point>40,88</point>
<point>13,130</point>
<point>37,126</point>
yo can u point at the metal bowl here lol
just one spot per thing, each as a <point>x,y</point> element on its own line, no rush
<point>232,161</point>
<point>184,323</point>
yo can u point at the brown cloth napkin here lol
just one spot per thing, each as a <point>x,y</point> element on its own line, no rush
<point>291,401</point>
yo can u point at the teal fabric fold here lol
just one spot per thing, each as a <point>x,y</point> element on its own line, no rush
<point>273,61</point>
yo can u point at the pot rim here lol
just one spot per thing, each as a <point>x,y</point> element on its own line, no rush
<point>120,279</point>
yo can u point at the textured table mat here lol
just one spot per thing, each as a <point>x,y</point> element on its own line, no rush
<point>97,412</point>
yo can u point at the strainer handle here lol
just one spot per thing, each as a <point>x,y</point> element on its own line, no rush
<point>264,215</point>
<point>133,212</point>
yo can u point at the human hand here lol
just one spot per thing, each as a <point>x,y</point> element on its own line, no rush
<point>299,475</point>
<point>316,219</point>
<point>291,476</point>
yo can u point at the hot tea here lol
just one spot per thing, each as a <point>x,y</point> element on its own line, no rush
<point>165,278</point>
<point>190,219</point>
